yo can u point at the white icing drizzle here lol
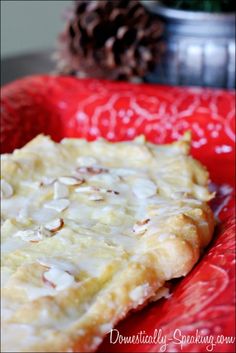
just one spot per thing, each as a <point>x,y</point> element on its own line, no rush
<point>86,215</point>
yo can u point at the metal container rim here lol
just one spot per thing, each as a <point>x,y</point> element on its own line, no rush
<point>170,13</point>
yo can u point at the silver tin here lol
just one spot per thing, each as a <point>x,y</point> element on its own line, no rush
<point>200,48</point>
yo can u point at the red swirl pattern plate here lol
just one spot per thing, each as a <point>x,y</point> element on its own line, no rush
<point>199,315</point>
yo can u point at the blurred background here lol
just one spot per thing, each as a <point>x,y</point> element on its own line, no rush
<point>29,31</point>
<point>176,42</point>
<point>30,25</point>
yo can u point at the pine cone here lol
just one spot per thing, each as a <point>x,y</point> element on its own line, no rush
<point>116,39</point>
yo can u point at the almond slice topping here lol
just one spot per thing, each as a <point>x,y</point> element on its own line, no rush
<point>49,262</point>
<point>6,189</point>
<point>33,235</point>
<point>96,197</point>
<point>91,170</point>
<point>143,188</point>
<point>55,225</point>
<point>95,189</point>
<point>114,192</point>
<point>140,227</point>
<point>29,235</point>
<point>60,191</point>
<point>87,189</point>
<point>58,278</point>
<point>71,181</point>
<point>46,280</point>
<point>58,205</point>
<point>46,181</point>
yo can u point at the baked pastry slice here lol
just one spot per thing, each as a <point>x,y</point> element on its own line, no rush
<point>91,230</point>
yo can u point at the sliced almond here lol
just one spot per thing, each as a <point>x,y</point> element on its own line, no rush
<point>94,189</point>
<point>44,263</point>
<point>58,205</point>
<point>71,181</point>
<point>143,188</point>
<point>29,235</point>
<point>140,227</point>
<point>33,235</point>
<point>143,222</point>
<point>46,281</point>
<point>96,197</point>
<point>6,189</point>
<point>114,192</point>
<point>60,191</point>
<point>50,262</point>
<point>46,181</point>
<point>91,170</point>
<point>55,225</point>
<point>87,189</point>
<point>42,232</point>
<point>58,278</point>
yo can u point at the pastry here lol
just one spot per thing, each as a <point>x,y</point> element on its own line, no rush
<point>91,231</point>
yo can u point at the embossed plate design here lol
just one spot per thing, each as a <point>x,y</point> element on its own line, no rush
<point>200,313</point>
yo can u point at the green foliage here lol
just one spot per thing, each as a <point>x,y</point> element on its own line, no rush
<point>201,5</point>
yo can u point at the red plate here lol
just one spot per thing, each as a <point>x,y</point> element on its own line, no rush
<point>199,316</point>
